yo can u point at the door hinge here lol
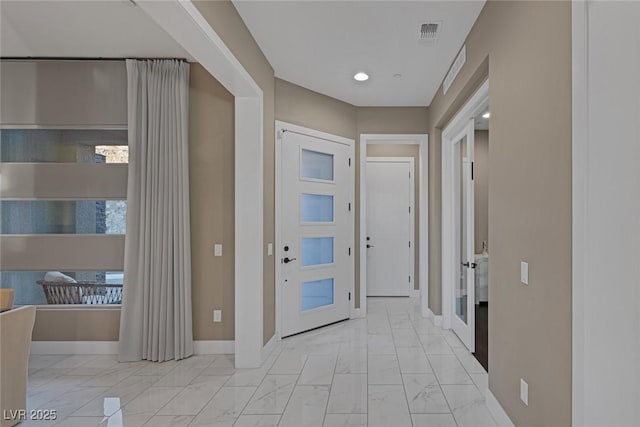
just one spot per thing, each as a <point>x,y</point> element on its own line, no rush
<point>409,209</point>
<point>349,251</point>
<point>472,170</point>
<point>349,296</point>
<point>349,206</point>
<point>409,175</point>
<point>409,243</point>
<point>409,279</point>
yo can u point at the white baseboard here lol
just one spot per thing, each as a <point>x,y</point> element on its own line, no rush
<point>415,293</point>
<point>357,313</point>
<point>111,347</point>
<point>437,319</point>
<point>74,347</point>
<point>496,410</point>
<point>214,347</point>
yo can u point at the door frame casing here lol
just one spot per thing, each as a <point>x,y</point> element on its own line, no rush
<point>422,140</point>
<point>412,246</point>
<point>478,102</point>
<point>281,126</point>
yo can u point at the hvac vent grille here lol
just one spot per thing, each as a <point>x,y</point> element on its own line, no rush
<point>455,69</point>
<point>430,31</point>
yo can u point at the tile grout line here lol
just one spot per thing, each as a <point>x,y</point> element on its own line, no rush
<point>438,380</point>
<point>326,406</point>
<point>294,385</point>
<point>404,388</point>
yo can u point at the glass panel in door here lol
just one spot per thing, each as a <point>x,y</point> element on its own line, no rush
<point>316,165</point>
<point>316,207</point>
<point>317,251</point>
<point>461,290</point>
<point>316,294</point>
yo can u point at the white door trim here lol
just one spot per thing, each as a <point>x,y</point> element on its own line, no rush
<point>412,247</point>
<point>476,104</point>
<point>605,296</point>
<point>423,269</point>
<point>182,21</point>
<point>278,252</point>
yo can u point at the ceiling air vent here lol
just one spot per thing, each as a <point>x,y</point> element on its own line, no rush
<point>430,31</point>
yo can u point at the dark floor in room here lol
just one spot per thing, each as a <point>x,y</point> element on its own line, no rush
<point>482,334</point>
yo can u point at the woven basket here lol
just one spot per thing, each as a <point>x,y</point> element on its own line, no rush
<point>81,292</point>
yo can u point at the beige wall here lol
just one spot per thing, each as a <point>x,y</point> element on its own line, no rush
<point>393,120</point>
<point>481,188</point>
<point>529,197</point>
<point>301,106</point>
<point>406,150</point>
<point>211,182</point>
<point>93,324</point>
<point>225,20</point>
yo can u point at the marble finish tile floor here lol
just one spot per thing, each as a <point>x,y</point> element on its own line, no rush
<point>393,368</point>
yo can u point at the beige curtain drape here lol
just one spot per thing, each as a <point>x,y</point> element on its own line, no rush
<point>155,322</point>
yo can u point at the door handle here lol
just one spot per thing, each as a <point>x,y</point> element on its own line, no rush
<point>469,265</point>
<point>370,246</point>
<point>287,260</point>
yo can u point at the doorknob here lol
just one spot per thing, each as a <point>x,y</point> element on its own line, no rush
<point>370,246</point>
<point>287,260</point>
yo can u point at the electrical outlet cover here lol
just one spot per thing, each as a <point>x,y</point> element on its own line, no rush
<point>524,272</point>
<point>524,392</point>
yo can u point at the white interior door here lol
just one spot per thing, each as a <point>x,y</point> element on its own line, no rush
<point>389,226</point>
<point>463,319</point>
<point>317,230</point>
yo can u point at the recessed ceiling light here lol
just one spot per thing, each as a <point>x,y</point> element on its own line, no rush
<point>486,115</point>
<point>397,76</point>
<point>361,77</point>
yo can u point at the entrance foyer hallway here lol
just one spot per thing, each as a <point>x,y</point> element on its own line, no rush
<point>392,369</point>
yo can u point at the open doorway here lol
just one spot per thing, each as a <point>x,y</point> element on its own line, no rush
<point>465,224</point>
<point>415,258</point>
<point>481,235</point>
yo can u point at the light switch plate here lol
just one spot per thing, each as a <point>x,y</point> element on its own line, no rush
<point>524,392</point>
<point>524,272</point>
<point>217,315</point>
<point>270,249</point>
<point>217,249</point>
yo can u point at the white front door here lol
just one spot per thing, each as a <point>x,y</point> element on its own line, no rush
<point>317,231</point>
<point>389,237</point>
<point>463,319</point>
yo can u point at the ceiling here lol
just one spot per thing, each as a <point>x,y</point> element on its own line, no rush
<point>320,45</point>
<point>89,28</point>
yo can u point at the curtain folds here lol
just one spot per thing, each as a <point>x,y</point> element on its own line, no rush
<point>156,322</point>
